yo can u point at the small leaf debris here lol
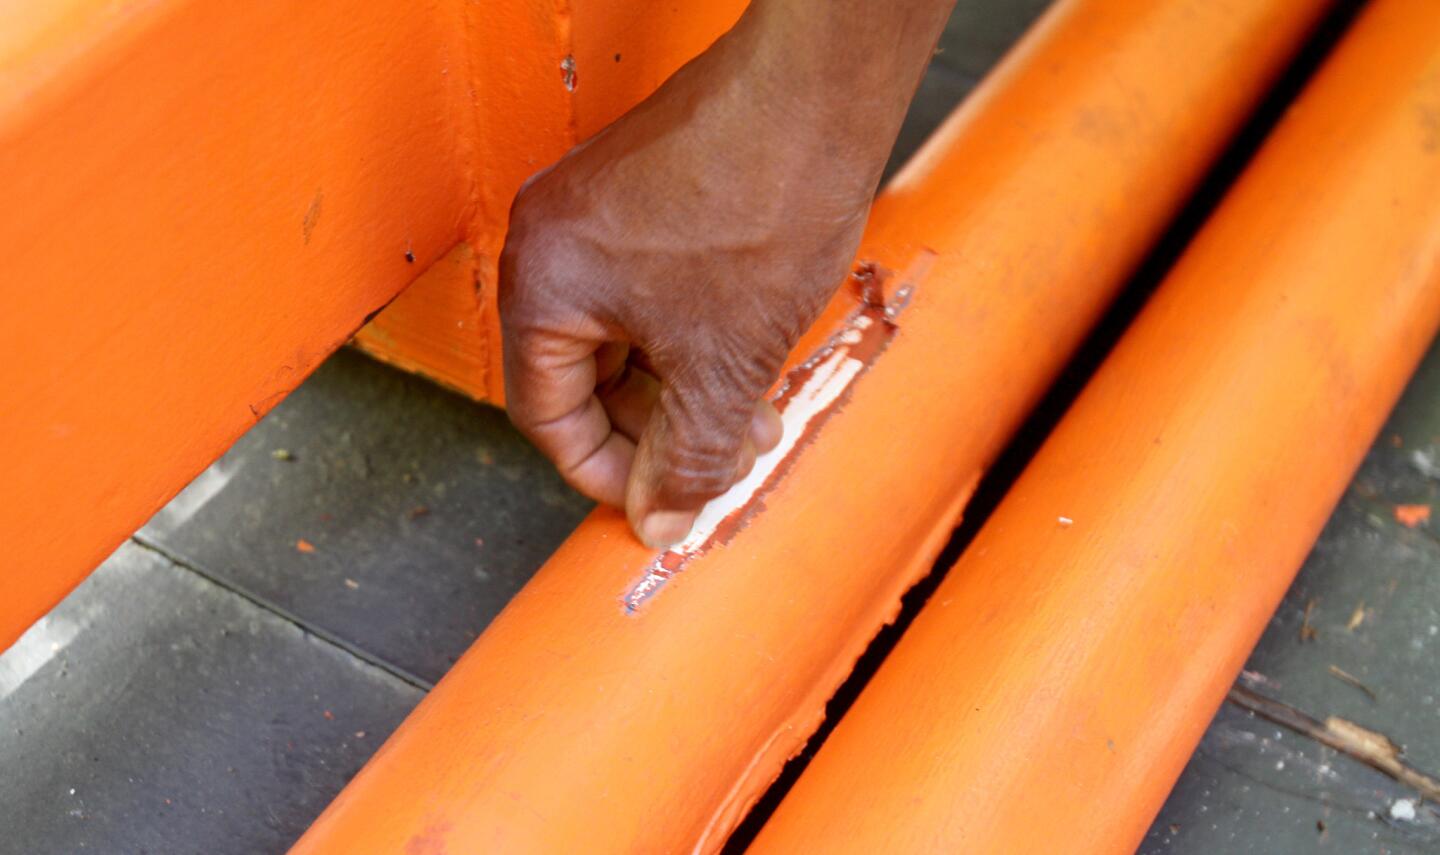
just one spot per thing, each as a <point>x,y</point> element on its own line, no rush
<point>1351,680</point>
<point>1307,631</point>
<point>1357,617</point>
<point>417,512</point>
<point>1369,747</point>
<point>1411,516</point>
<point>282,454</point>
<point>305,546</point>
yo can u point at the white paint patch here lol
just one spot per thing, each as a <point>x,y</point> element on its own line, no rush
<point>41,642</point>
<point>206,486</point>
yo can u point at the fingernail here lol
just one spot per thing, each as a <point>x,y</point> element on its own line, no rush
<point>666,528</point>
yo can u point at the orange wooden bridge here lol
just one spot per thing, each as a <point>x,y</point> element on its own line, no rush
<point>196,223</point>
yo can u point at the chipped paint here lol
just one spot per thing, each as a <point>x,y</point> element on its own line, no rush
<point>567,73</point>
<point>43,641</point>
<point>810,394</point>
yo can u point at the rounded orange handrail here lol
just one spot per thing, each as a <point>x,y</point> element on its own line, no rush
<point>1051,690</point>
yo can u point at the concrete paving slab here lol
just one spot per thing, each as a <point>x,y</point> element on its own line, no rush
<point>377,507</point>
<point>155,712</point>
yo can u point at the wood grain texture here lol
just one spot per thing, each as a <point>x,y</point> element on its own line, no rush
<point>203,201</point>
<point>575,726</point>
<point>1049,693</point>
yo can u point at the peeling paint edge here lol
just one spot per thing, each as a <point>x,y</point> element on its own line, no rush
<point>811,393</point>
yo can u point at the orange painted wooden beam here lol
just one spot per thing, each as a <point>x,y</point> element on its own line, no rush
<point>207,199</point>
<point>1049,694</point>
<point>203,200</point>
<point>633,702</point>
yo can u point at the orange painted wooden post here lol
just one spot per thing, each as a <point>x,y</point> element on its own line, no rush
<point>205,199</point>
<point>595,59</point>
<point>1048,695</point>
<point>633,702</point>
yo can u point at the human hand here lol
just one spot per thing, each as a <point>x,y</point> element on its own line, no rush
<point>654,280</point>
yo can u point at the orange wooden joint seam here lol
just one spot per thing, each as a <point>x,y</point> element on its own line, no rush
<point>630,702</point>
<point>1050,692</point>
<point>203,201</point>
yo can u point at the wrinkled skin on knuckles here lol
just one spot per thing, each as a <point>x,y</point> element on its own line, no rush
<point>655,279</point>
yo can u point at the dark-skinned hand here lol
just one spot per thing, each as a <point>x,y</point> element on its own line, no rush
<point>654,280</point>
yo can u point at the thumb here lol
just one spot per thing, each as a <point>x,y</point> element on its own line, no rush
<point>700,440</point>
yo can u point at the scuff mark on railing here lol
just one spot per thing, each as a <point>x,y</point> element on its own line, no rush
<point>811,393</point>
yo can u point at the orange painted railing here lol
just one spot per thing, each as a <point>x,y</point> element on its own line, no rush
<point>1048,695</point>
<point>630,702</point>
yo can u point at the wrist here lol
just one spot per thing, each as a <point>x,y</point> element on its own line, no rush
<point>788,62</point>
